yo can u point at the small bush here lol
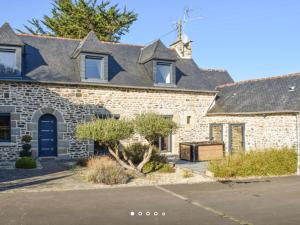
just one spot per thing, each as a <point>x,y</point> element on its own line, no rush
<point>26,138</point>
<point>266,162</point>
<point>82,162</point>
<point>153,166</point>
<point>135,152</point>
<point>105,170</point>
<point>25,163</point>
<point>167,168</point>
<point>186,173</point>
<point>26,147</point>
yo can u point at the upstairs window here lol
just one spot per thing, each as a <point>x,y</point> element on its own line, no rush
<point>163,73</point>
<point>4,128</point>
<point>93,68</point>
<point>8,61</point>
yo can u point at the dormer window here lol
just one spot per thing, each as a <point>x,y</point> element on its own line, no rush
<point>8,62</point>
<point>163,73</point>
<point>94,68</point>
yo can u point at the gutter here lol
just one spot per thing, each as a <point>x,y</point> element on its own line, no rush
<point>106,85</point>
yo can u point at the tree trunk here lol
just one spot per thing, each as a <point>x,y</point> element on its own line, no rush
<point>146,158</point>
<point>129,166</point>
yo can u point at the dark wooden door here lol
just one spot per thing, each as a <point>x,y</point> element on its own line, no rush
<point>47,135</point>
<point>236,138</point>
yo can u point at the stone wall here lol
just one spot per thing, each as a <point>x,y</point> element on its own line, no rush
<point>76,104</point>
<point>273,130</point>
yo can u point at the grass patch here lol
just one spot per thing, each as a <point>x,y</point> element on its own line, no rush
<point>265,162</point>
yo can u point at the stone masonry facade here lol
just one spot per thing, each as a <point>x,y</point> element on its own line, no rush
<point>27,102</point>
<point>261,131</point>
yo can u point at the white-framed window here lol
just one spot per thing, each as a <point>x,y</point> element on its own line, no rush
<point>94,68</point>
<point>163,73</point>
<point>8,61</point>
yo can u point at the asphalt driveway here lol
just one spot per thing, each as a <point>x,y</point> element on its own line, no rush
<point>263,201</point>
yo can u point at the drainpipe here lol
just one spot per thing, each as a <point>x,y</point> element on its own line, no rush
<point>298,143</point>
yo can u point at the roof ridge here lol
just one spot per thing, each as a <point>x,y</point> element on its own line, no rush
<point>260,79</point>
<point>213,69</point>
<point>77,39</point>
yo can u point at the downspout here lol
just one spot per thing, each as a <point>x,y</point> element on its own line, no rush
<point>298,142</point>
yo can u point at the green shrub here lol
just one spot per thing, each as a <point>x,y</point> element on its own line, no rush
<point>157,157</point>
<point>153,166</point>
<point>167,168</point>
<point>186,173</point>
<point>265,162</point>
<point>26,146</point>
<point>26,138</point>
<point>135,152</point>
<point>26,163</point>
<point>105,170</point>
<point>156,162</point>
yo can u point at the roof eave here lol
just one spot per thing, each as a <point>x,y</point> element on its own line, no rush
<point>111,86</point>
<point>252,113</point>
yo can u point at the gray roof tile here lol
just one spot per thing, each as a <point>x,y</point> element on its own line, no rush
<point>157,50</point>
<point>91,44</point>
<point>50,59</point>
<point>8,36</point>
<point>259,96</point>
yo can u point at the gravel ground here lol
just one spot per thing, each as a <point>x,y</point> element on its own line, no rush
<point>71,179</point>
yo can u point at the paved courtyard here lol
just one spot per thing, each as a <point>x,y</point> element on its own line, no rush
<point>267,201</point>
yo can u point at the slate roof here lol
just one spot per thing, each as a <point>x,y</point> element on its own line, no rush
<point>267,95</point>
<point>8,36</point>
<point>157,50</point>
<point>91,44</point>
<point>50,59</point>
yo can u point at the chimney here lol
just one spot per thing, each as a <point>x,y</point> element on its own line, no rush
<point>184,50</point>
<point>182,45</point>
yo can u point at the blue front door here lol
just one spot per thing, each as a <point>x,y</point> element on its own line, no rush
<point>47,136</point>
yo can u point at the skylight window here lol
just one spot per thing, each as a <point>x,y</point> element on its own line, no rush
<point>292,88</point>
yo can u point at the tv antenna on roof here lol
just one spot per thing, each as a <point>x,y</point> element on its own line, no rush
<point>181,23</point>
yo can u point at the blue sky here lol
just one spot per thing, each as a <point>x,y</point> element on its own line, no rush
<point>249,38</point>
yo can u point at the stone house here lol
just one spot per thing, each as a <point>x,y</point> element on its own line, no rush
<point>48,85</point>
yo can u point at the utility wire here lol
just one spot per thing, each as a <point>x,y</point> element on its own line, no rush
<point>162,36</point>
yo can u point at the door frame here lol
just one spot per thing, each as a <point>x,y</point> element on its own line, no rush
<point>230,135</point>
<point>211,130</point>
<point>55,136</point>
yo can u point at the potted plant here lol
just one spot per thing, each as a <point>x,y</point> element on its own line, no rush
<point>26,139</point>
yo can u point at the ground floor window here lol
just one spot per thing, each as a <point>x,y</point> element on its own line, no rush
<point>216,132</point>
<point>164,144</point>
<point>4,127</point>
